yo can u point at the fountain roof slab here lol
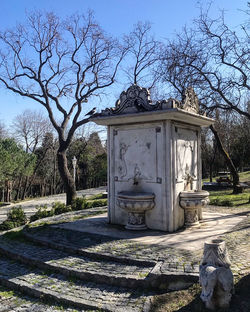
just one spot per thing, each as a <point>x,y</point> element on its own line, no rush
<point>174,114</point>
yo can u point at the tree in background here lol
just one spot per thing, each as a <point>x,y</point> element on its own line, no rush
<point>60,64</point>
<point>3,132</point>
<point>13,163</point>
<point>234,131</point>
<point>213,59</point>
<point>45,179</point>
<point>142,57</point>
<point>91,161</point>
<point>28,129</point>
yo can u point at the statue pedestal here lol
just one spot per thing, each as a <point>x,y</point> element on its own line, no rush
<point>216,277</point>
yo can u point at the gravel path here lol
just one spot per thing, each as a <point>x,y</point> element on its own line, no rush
<point>29,206</point>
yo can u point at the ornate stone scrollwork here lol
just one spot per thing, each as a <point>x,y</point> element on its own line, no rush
<point>135,99</point>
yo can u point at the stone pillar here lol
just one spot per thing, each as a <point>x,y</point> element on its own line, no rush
<point>216,277</point>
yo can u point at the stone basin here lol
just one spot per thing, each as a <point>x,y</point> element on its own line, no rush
<point>135,203</point>
<point>192,202</point>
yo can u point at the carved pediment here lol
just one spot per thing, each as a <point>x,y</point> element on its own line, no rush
<point>135,99</point>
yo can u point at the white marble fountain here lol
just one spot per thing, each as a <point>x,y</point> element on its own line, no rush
<point>154,165</point>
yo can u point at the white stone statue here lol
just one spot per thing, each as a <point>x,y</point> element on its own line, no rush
<point>216,277</point>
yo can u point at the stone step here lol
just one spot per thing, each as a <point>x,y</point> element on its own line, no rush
<point>80,294</point>
<point>11,301</point>
<point>173,269</point>
<point>92,245</point>
<point>80,267</point>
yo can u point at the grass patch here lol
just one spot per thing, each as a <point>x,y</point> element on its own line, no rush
<point>97,196</point>
<point>176,300</point>
<point>6,293</point>
<point>226,198</point>
<point>244,177</point>
<point>96,203</point>
<point>15,235</point>
<point>81,203</point>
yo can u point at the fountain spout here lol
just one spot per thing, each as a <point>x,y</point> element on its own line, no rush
<point>189,178</point>
<point>137,175</point>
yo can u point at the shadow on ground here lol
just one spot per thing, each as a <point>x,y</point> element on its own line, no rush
<point>189,300</point>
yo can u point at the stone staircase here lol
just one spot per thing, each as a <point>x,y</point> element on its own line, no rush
<point>86,271</point>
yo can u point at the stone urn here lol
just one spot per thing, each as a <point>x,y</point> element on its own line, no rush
<point>136,204</point>
<point>192,202</point>
<point>216,277</point>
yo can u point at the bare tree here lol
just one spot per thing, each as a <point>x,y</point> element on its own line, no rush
<point>3,132</point>
<point>29,129</point>
<point>213,59</point>
<point>59,64</point>
<point>143,51</point>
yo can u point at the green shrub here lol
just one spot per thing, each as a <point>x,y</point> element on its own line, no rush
<point>79,203</point>
<point>96,203</point>
<point>42,212</point>
<point>215,201</point>
<point>17,215</point>
<point>59,208</point>
<point>7,225</point>
<point>227,203</point>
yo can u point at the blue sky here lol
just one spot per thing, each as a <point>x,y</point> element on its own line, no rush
<point>117,17</point>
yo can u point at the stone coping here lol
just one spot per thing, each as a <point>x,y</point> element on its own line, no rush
<point>175,114</point>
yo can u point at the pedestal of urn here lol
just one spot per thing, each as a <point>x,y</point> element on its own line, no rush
<point>192,202</point>
<point>136,204</point>
<point>216,277</point>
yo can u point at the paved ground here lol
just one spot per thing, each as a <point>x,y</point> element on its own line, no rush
<point>79,260</point>
<point>29,206</point>
<point>213,225</point>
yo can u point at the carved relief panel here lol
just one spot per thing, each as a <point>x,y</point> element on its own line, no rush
<point>186,154</point>
<point>136,154</point>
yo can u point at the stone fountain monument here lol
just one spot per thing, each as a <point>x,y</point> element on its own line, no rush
<point>154,165</point>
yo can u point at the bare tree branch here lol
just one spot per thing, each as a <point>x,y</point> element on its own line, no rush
<point>60,64</point>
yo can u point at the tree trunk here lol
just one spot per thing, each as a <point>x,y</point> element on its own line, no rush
<point>19,188</point>
<point>211,165</point>
<point>25,187</point>
<point>8,185</point>
<point>66,176</point>
<point>236,187</point>
<point>210,172</point>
